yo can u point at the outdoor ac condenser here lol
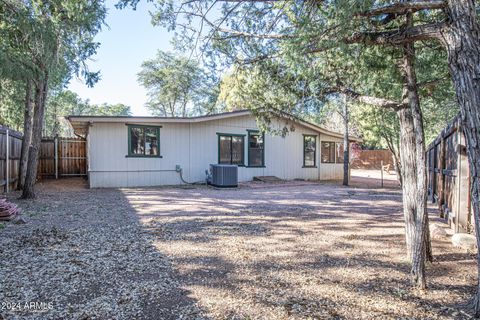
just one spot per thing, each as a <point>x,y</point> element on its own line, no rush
<point>224,175</point>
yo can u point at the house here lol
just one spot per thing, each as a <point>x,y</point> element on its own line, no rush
<point>148,151</point>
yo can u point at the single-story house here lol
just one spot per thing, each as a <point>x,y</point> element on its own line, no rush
<point>128,151</point>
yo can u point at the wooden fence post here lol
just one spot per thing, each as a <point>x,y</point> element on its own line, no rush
<point>7,164</point>
<point>441,193</point>
<point>56,156</point>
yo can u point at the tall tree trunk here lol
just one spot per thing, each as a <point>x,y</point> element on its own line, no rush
<point>422,246</point>
<point>184,108</point>
<point>394,149</point>
<point>414,101</point>
<point>41,87</point>
<point>346,149</point>
<point>417,207</point>
<point>398,171</point>
<point>27,134</point>
<point>56,123</point>
<point>462,41</point>
<point>398,166</point>
<point>409,176</point>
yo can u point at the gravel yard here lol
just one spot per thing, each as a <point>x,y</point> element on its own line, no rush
<point>291,251</point>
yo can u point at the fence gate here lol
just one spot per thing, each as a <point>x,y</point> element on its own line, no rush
<point>449,178</point>
<point>62,157</point>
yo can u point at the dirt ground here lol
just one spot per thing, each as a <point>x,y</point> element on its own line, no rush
<point>299,250</point>
<point>373,179</point>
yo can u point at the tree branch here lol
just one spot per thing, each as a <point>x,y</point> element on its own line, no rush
<point>235,33</point>
<point>433,82</point>
<point>397,37</point>
<point>385,20</point>
<point>405,7</point>
<point>374,101</point>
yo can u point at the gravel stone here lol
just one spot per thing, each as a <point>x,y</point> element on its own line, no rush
<point>292,251</point>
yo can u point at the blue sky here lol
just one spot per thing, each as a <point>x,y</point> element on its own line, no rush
<point>125,44</point>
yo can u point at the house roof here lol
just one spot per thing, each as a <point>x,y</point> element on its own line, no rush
<point>81,123</point>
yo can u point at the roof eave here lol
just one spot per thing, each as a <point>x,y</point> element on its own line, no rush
<point>327,132</point>
<point>124,119</point>
<point>84,121</point>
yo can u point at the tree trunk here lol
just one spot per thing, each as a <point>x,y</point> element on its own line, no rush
<point>56,123</point>
<point>409,177</point>
<point>394,149</point>
<point>423,231</point>
<point>346,149</point>
<point>415,230</point>
<point>462,41</point>
<point>398,167</point>
<point>41,87</point>
<point>27,134</point>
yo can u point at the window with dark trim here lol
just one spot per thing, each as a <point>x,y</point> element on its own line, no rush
<point>256,149</point>
<point>328,152</point>
<point>309,150</point>
<point>231,149</point>
<point>143,141</point>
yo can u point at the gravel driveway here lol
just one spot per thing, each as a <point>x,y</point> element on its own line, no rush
<point>304,251</point>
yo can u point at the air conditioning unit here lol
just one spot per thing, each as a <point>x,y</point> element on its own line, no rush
<point>224,175</point>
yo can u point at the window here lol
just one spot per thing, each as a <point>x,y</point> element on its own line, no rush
<point>328,152</point>
<point>143,141</point>
<point>230,149</point>
<point>309,150</point>
<point>256,151</point>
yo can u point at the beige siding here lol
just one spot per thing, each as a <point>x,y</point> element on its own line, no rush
<point>330,171</point>
<point>110,166</point>
<point>194,146</point>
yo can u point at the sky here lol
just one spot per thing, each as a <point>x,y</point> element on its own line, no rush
<point>128,40</point>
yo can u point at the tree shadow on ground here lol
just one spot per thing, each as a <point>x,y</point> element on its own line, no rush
<point>301,252</point>
<point>262,249</point>
<point>85,252</point>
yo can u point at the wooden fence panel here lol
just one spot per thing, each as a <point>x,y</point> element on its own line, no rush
<point>430,171</point>
<point>434,173</point>
<point>72,156</point>
<point>372,159</point>
<point>14,150</point>
<point>437,178</point>
<point>46,161</point>
<point>449,179</point>
<point>71,159</point>
<point>450,171</point>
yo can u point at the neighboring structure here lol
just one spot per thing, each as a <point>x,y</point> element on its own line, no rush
<point>449,178</point>
<point>148,151</point>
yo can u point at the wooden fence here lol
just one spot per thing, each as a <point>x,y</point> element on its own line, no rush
<point>448,177</point>
<point>10,148</point>
<point>59,157</point>
<point>373,159</point>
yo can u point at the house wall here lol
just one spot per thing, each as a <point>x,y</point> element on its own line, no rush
<point>194,146</point>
